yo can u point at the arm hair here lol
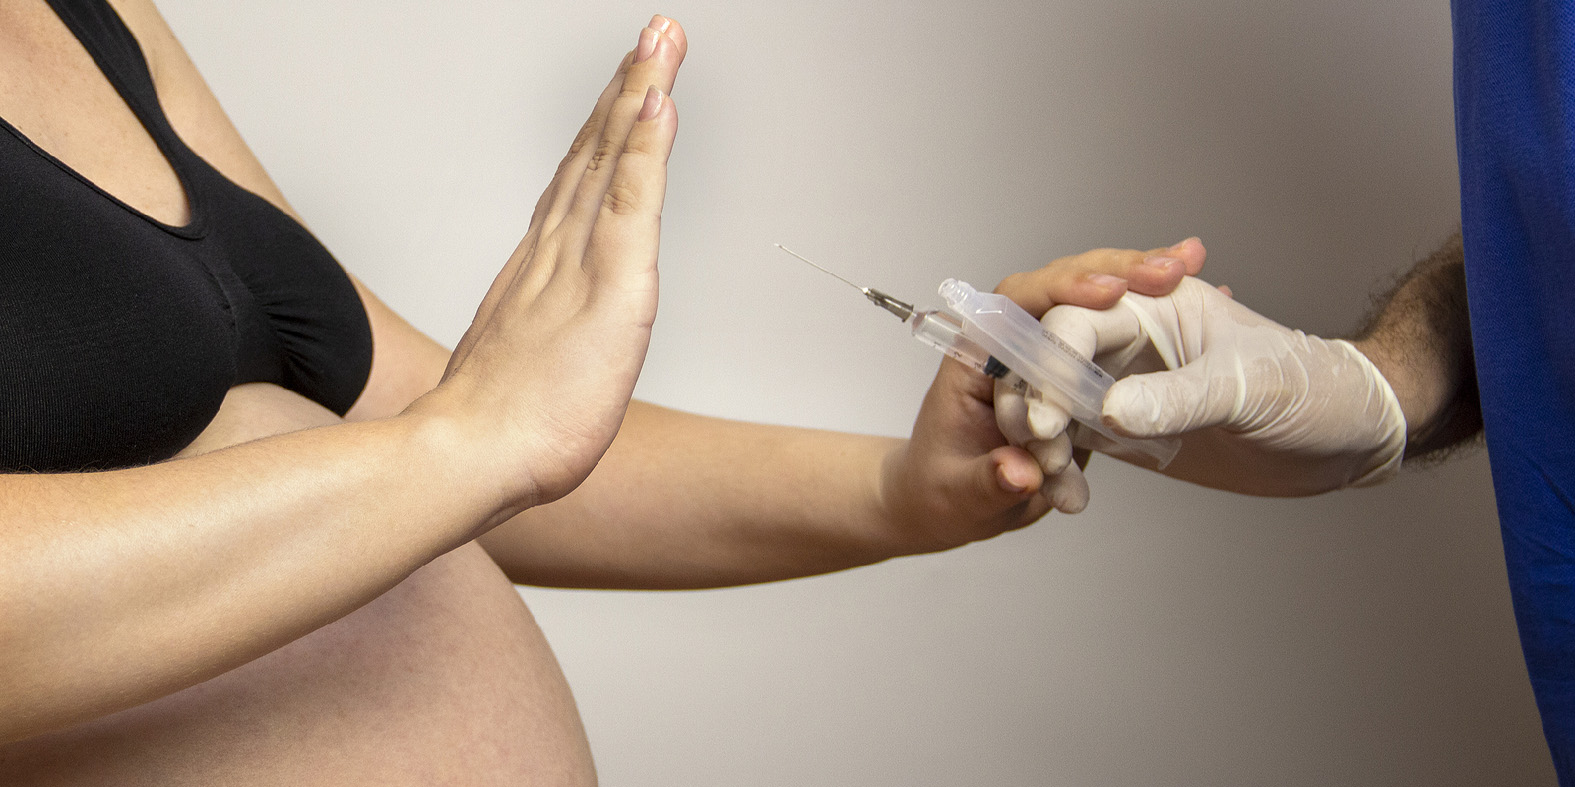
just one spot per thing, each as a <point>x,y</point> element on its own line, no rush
<point>1419,334</point>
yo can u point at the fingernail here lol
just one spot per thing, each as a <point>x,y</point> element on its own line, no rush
<point>660,23</point>
<point>1106,281</point>
<point>1179,246</point>
<point>653,103</point>
<point>1162,263</point>
<point>646,46</point>
<point>1007,483</point>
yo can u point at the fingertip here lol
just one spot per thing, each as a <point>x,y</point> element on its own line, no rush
<point>1011,414</point>
<point>1128,404</point>
<point>1071,498</point>
<point>1068,491</point>
<point>1017,474</point>
<point>653,103</point>
<point>658,109</point>
<point>646,46</point>
<point>673,30</point>
<point>660,51</point>
<point>1192,254</point>
<point>1045,420</point>
<point>1157,275</point>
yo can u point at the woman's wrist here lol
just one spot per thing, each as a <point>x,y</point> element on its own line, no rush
<point>460,456</point>
<point>905,528</point>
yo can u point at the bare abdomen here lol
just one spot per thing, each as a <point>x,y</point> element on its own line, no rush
<point>445,679</point>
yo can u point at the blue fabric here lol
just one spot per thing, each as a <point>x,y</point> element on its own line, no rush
<point>1515,127</point>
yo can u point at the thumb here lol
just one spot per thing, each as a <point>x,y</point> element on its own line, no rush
<point>1005,477</point>
<point>1162,404</point>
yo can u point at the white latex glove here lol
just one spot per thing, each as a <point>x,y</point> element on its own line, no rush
<point>1261,409</point>
<point>1064,486</point>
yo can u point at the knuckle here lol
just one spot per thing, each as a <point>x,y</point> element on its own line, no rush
<point>640,145</point>
<point>632,90</point>
<point>1028,287</point>
<point>621,199</point>
<point>606,153</point>
<point>1013,284</point>
<point>1088,260</point>
<point>581,140</point>
<point>1117,260</point>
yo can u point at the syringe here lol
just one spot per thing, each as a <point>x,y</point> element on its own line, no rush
<point>938,329</point>
<point>1042,361</point>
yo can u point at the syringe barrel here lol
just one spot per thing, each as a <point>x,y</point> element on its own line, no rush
<point>944,332</point>
<point>1044,360</point>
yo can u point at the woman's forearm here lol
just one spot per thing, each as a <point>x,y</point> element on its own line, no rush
<point>120,587</point>
<point>687,501</point>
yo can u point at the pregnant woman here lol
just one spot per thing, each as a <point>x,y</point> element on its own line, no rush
<point>256,529</point>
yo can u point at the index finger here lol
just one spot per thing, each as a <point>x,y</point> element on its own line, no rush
<point>1097,279</point>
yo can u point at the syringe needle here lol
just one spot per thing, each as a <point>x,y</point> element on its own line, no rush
<point>901,309</point>
<point>941,331</point>
<point>818,267</point>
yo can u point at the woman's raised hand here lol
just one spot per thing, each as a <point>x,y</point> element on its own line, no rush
<point>540,383</point>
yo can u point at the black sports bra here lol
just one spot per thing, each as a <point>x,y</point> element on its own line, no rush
<point>119,335</point>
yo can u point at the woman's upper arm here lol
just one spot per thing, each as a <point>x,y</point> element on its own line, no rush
<point>405,362</point>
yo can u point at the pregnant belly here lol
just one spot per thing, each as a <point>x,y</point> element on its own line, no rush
<point>445,679</point>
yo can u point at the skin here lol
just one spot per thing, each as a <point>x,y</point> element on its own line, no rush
<point>1420,338</point>
<point>305,599</point>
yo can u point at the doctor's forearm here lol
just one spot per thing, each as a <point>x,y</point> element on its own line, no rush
<point>1420,338</point>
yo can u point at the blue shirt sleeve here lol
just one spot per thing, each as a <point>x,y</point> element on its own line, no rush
<point>1515,131</point>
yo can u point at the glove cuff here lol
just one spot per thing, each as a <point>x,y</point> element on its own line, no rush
<point>1390,448</point>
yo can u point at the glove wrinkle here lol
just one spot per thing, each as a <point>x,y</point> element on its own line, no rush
<point>1261,409</point>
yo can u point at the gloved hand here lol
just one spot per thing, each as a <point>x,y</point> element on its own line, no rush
<point>960,479</point>
<point>1261,409</point>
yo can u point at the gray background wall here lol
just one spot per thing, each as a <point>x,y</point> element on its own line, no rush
<point>1169,635</point>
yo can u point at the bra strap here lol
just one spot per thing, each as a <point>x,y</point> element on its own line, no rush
<point>119,57</point>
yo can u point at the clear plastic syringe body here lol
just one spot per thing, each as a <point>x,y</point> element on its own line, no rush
<point>1013,337</point>
<point>944,332</point>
